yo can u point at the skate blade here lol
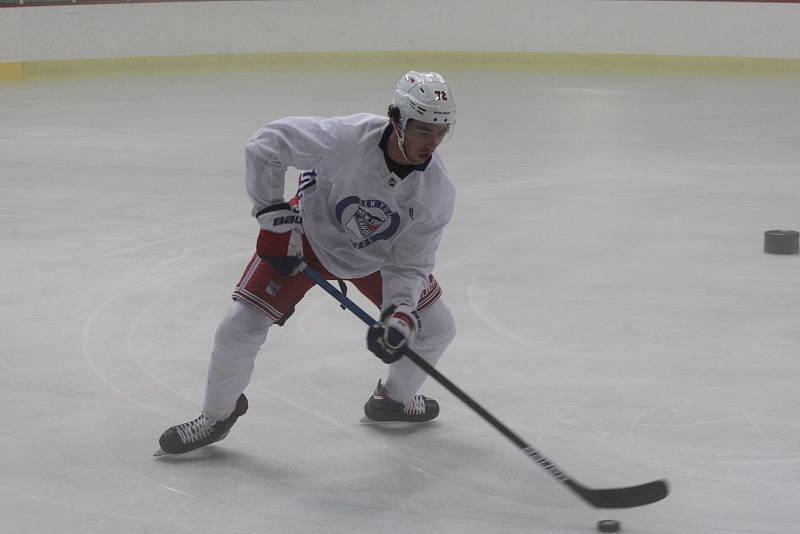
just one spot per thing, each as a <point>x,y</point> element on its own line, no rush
<point>159,453</point>
<point>366,421</point>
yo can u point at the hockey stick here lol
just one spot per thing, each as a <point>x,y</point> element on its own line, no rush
<point>628,497</point>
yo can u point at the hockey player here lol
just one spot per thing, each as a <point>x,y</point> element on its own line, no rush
<point>370,209</point>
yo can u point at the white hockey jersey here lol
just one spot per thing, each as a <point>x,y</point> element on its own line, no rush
<point>358,216</point>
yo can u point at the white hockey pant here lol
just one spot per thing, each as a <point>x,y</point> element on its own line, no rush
<point>238,339</point>
<point>243,330</point>
<point>436,333</point>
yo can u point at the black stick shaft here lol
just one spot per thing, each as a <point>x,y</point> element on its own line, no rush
<point>537,456</point>
<point>627,497</point>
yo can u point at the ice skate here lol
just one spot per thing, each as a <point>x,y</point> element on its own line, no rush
<point>381,408</point>
<point>199,432</point>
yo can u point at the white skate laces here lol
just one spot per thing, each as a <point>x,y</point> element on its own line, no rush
<point>415,406</point>
<point>196,429</point>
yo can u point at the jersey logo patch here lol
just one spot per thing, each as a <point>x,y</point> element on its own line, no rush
<point>367,221</point>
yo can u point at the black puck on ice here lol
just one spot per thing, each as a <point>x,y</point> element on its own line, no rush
<point>609,525</point>
<point>781,242</point>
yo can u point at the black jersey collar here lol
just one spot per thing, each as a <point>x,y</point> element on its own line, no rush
<point>400,170</point>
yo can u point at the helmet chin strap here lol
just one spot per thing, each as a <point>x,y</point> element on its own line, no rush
<point>401,141</point>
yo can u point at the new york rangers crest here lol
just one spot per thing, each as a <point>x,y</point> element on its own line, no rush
<point>367,221</point>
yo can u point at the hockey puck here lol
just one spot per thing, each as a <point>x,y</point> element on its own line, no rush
<point>609,525</point>
<point>781,241</point>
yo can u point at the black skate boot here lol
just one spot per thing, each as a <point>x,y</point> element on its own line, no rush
<point>382,408</point>
<point>199,432</point>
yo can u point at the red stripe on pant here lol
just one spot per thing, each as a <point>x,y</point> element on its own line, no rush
<point>263,287</point>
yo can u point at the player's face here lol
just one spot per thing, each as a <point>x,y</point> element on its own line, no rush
<point>422,139</point>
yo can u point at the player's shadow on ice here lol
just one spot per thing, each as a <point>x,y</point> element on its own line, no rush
<point>398,428</point>
<point>218,457</point>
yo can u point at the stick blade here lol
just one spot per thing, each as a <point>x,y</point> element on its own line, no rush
<point>629,497</point>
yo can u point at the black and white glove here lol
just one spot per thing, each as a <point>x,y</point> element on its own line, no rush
<point>398,327</point>
<point>281,239</point>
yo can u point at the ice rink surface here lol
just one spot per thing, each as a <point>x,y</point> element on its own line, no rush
<point>604,265</point>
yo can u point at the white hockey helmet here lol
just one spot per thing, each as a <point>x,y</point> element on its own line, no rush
<point>424,96</point>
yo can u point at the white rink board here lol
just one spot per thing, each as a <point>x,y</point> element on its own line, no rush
<point>736,29</point>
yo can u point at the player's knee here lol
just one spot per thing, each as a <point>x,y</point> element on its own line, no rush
<point>245,324</point>
<point>438,326</point>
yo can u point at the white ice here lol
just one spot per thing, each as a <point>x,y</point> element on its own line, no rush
<point>614,306</point>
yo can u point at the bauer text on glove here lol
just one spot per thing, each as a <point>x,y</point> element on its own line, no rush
<point>281,239</point>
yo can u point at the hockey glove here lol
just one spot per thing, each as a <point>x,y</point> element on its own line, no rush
<point>281,239</point>
<point>398,327</point>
